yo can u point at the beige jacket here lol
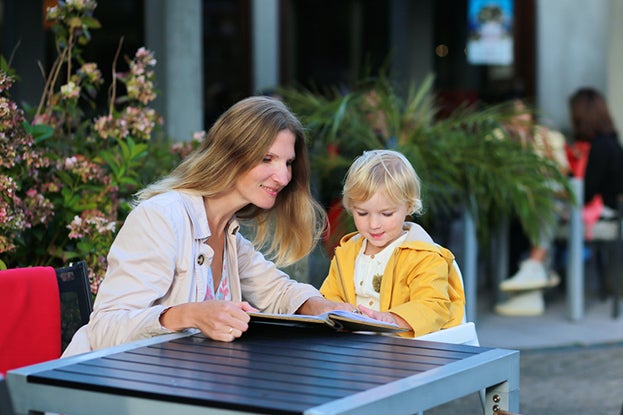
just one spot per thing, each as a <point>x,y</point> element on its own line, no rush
<point>159,259</point>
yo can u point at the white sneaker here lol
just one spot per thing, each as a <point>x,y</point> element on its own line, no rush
<point>530,303</point>
<point>532,275</point>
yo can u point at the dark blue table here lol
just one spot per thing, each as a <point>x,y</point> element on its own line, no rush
<point>285,371</point>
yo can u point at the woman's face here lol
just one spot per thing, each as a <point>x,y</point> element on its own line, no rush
<point>261,184</point>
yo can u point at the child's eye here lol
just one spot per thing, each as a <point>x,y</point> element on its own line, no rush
<point>361,213</point>
<point>267,159</point>
<point>388,214</point>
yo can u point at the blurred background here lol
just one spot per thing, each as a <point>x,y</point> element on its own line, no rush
<point>213,52</point>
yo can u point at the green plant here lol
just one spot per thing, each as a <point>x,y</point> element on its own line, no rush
<point>466,161</point>
<point>68,175</point>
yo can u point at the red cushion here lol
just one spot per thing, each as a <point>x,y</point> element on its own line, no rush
<point>30,320</point>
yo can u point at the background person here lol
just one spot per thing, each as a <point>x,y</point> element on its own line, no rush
<point>534,271</point>
<point>391,269</point>
<point>179,261</point>
<point>592,123</point>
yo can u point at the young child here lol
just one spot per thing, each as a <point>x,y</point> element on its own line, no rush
<point>390,269</point>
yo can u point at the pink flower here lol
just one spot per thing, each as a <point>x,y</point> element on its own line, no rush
<point>70,90</point>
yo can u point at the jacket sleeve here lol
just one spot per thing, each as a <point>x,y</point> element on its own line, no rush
<point>428,305</point>
<point>264,286</point>
<point>141,268</point>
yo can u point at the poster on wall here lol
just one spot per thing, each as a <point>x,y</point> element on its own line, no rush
<point>490,32</point>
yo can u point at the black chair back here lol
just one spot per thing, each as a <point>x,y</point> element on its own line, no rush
<point>76,298</point>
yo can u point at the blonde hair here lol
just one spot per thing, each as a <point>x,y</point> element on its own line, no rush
<point>382,170</point>
<point>237,142</point>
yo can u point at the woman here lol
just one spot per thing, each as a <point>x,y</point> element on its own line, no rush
<point>179,261</point>
<point>592,123</point>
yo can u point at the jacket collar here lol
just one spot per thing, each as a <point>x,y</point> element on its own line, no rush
<point>415,233</point>
<point>193,204</point>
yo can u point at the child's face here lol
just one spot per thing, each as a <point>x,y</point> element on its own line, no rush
<point>379,220</point>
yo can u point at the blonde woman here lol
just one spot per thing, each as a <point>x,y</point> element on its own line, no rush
<point>179,261</point>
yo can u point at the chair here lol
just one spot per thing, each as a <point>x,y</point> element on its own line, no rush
<point>616,269</point>
<point>76,298</point>
<point>40,318</point>
<point>6,407</point>
<point>608,245</point>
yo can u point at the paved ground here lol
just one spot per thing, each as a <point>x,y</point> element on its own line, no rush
<point>566,367</point>
<point>582,380</point>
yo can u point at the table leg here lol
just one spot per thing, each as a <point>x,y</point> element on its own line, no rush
<point>501,396</point>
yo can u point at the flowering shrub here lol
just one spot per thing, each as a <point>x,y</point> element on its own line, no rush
<point>66,176</point>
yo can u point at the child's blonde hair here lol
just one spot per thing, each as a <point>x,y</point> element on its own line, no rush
<point>382,170</point>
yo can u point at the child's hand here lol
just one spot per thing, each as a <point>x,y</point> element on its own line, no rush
<point>386,317</point>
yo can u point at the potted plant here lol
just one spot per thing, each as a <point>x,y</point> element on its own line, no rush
<point>467,161</point>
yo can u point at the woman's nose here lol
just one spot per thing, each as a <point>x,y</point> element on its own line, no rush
<point>283,174</point>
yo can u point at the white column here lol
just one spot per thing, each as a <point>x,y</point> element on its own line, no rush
<point>174,31</point>
<point>265,26</point>
<point>614,89</point>
<point>572,38</point>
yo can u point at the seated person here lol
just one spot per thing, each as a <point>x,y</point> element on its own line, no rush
<point>179,261</point>
<point>391,269</point>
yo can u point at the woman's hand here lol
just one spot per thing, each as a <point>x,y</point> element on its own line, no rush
<point>318,305</point>
<point>217,319</point>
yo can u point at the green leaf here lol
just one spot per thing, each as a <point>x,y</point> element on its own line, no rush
<point>91,22</point>
<point>39,132</point>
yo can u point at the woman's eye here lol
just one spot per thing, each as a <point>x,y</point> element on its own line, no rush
<point>266,159</point>
<point>388,214</point>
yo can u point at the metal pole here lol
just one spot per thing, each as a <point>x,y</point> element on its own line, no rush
<point>575,260</point>
<point>469,269</point>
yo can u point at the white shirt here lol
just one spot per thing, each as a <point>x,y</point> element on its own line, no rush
<point>369,270</point>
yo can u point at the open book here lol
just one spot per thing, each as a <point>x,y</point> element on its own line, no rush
<point>336,319</point>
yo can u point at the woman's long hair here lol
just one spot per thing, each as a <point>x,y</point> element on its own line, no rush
<point>590,115</point>
<point>237,142</point>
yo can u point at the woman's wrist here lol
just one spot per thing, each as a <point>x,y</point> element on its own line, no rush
<point>172,318</point>
<point>314,306</point>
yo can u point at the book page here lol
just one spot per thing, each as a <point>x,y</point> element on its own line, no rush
<point>347,320</point>
<point>336,319</point>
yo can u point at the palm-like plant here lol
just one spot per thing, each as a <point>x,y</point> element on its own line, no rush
<point>465,161</point>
